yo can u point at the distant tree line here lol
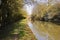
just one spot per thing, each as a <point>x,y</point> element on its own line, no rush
<point>46,13</point>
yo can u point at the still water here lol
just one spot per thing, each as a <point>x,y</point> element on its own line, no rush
<point>45,30</point>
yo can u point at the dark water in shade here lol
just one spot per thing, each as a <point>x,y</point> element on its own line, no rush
<point>45,30</point>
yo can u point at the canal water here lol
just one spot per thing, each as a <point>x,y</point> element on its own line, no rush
<point>45,30</point>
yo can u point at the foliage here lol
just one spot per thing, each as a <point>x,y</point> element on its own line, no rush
<point>39,11</point>
<point>43,11</point>
<point>10,13</point>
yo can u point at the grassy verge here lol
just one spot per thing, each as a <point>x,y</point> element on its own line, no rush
<point>21,31</point>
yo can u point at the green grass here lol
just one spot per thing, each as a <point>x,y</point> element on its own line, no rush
<point>20,30</point>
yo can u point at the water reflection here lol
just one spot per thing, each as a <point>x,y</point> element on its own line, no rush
<point>37,33</point>
<point>45,30</point>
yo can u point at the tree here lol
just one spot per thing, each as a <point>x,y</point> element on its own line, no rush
<point>45,12</point>
<point>10,11</point>
<point>39,11</point>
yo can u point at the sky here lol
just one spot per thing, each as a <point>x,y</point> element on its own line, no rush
<point>29,7</point>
